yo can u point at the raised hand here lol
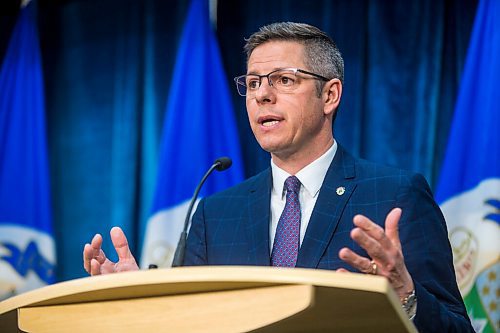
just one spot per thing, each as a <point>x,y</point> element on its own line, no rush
<point>384,249</point>
<point>95,261</point>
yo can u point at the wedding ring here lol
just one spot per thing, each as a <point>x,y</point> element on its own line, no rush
<point>374,267</point>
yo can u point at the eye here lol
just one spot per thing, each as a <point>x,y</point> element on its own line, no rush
<point>252,83</point>
<point>285,80</point>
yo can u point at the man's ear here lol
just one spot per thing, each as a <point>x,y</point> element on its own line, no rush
<point>332,92</point>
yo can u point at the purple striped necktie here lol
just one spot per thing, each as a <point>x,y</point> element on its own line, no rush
<point>287,239</point>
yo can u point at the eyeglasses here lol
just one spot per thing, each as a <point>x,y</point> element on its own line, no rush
<point>284,80</point>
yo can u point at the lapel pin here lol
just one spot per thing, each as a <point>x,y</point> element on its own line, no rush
<point>340,190</point>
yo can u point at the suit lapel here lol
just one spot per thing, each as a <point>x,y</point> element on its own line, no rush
<point>257,226</point>
<point>333,196</point>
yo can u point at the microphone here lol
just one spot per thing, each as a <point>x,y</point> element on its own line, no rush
<point>220,164</point>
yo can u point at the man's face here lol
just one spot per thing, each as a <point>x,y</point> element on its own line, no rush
<point>290,124</point>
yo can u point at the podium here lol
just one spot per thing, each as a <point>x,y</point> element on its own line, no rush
<point>222,299</point>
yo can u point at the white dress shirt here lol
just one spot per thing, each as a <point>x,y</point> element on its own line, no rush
<point>311,177</point>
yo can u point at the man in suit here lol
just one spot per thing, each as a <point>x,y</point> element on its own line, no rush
<point>317,206</point>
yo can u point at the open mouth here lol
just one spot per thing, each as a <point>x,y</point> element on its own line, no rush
<point>269,121</point>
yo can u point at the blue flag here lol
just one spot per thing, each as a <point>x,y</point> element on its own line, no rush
<point>199,127</point>
<point>27,253</point>
<point>469,187</point>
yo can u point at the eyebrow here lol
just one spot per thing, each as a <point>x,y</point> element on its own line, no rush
<point>274,69</point>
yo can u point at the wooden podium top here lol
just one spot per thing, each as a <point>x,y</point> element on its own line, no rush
<point>299,294</point>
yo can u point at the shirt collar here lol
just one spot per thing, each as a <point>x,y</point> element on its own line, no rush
<point>311,176</point>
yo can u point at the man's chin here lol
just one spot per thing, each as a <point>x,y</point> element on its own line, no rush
<point>273,149</point>
<point>278,148</point>
<point>280,153</point>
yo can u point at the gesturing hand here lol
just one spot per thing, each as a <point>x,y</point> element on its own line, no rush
<point>384,248</point>
<point>95,261</point>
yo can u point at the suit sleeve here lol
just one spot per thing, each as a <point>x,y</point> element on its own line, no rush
<point>429,260</point>
<point>196,247</point>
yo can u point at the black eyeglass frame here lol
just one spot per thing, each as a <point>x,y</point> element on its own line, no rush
<point>294,70</point>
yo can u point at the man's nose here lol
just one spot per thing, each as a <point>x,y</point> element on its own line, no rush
<point>266,92</point>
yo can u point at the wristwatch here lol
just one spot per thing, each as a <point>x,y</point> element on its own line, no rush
<point>409,304</point>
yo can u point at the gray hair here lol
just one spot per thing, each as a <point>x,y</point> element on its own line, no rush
<point>321,54</point>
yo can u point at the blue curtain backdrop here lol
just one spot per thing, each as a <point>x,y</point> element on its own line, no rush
<point>199,128</point>
<point>107,68</point>
<point>27,245</point>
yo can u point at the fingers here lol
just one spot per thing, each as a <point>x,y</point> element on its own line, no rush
<point>370,237</point>
<point>372,230</point>
<point>362,264</point>
<point>87,257</point>
<point>384,247</point>
<point>93,251</point>
<point>97,251</point>
<point>96,241</point>
<point>95,267</point>
<point>379,243</point>
<point>94,258</point>
<point>121,244</point>
<point>391,226</point>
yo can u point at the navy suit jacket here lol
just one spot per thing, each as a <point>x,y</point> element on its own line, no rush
<point>232,228</point>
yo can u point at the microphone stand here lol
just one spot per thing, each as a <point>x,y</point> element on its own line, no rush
<point>220,164</point>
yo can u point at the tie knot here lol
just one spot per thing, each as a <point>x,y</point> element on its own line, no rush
<point>292,184</point>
